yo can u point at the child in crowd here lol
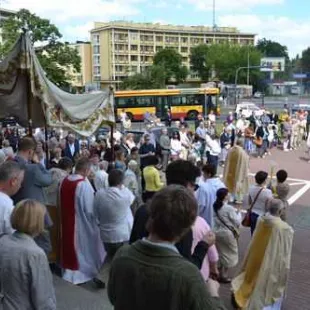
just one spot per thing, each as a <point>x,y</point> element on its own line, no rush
<point>282,191</point>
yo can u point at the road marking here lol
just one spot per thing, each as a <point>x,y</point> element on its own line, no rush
<point>299,193</point>
<point>296,196</point>
<point>296,184</point>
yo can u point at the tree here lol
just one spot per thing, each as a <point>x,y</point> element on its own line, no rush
<point>198,60</point>
<point>272,49</point>
<point>305,60</point>
<point>223,60</point>
<point>152,78</point>
<point>55,57</point>
<point>171,62</point>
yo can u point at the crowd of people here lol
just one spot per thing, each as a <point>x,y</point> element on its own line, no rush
<point>153,209</point>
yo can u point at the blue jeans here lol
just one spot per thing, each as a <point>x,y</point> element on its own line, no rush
<point>254,218</point>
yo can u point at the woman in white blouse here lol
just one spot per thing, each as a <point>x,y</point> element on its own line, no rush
<point>130,141</point>
<point>176,146</point>
<point>226,228</point>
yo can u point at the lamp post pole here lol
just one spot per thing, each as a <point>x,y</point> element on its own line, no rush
<point>237,75</point>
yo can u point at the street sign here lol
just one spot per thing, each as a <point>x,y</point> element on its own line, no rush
<point>300,76</point>
<point>272,64</point>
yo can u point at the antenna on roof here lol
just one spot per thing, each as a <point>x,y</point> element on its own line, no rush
<point>214,17</point>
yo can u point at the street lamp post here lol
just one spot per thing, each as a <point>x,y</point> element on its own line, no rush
<point>237,74</point>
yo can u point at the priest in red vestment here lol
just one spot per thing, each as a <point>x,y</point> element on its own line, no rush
<point>82,252</point>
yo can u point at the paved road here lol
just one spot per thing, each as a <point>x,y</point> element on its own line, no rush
<point>298,216</point>
<point>80,298</point>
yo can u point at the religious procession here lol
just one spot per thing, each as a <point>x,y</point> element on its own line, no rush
<point>162,209</point>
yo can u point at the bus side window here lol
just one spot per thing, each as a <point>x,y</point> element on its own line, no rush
<point>129,102</point>
<point>175,100</point>
<point>120,102</point>
<point>145,101</point>
<point>183,100</point>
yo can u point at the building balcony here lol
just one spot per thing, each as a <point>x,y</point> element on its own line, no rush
<point>121,73</point>
<point>121,52</point>
<point>173,43</point>
<point>97,77</point>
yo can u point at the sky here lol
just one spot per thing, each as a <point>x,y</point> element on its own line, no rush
<point>284,21</point>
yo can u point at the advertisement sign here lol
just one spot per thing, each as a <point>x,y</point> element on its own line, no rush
<point>272,64</point>
<point>300,76</point>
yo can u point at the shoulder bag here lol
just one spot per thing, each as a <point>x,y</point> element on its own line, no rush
<point>235,232</point>
<point>246,222</point>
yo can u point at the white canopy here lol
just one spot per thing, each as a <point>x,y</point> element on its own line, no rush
<point>26,93</point>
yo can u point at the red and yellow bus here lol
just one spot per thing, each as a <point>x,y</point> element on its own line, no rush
<point>187,103</point>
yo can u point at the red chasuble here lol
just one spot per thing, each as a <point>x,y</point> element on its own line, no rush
<point>67,209</point>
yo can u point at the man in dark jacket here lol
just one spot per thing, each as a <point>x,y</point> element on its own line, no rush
<point>72,148</point>
<point>182,173</point>
<point>36,178</point>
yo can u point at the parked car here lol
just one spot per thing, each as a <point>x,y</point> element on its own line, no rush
<point>258,95</point>
<point>298,107</point>
<point>247,108</point>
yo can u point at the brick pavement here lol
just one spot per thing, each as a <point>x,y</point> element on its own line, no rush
<point>297,298</point>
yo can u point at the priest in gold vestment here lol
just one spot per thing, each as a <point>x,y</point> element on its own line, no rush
<point>236,171</point>
<point>262,281</point>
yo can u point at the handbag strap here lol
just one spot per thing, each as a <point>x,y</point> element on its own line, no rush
<point>255,199</point>
<point>223,222</point>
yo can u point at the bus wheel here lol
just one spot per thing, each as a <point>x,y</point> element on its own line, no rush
<point>129,115</point>
<point>192,115</point>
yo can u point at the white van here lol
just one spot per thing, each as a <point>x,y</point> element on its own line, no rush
<point>247,109</point>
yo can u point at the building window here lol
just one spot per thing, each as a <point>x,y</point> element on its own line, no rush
<point>96,49</point>
<point>184,40</point>
<point>98,85</point>
<point>119,69</point>
<point>121,48</point>
<point>184,49</point>
<point>159,38</point>
<point>134,36</point>
<point>196,40</point>
<point>134,48</point>
<point>172,39</point>
<point>96,39</point>
<point>134,69</point>
<point>96,70</point>
<point>120,37</point>
<point>147,38</point>
<point>96,60</point>
<point>134,58</point>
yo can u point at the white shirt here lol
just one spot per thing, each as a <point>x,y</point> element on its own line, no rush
<point>101,180</point>
<point>72,148</point>
<point>240,125</point>
<point>112,207</point>
<point>212,117</point>
<point>123,117</point>
<point>184,139</point>
<point>6,209</point>
<point>176,147</point>
<point>260,204</point>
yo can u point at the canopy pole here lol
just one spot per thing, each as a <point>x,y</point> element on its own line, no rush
<point>112,143</point>
<point>47,157</point>
<point>28,86</point>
